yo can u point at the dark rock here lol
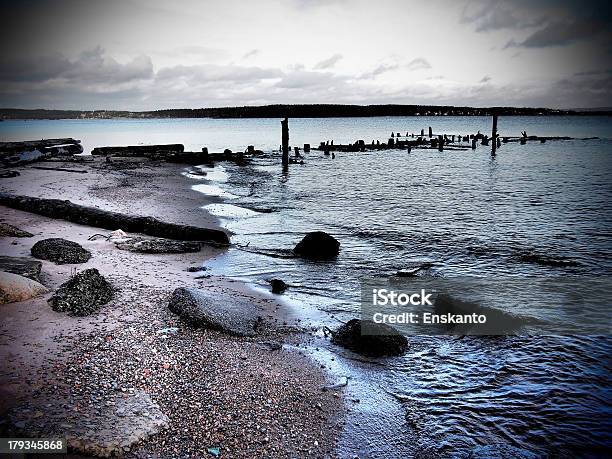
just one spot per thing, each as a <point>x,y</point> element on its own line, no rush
<point>278,286</point>
<point>60,251</point>
<point>369,338</point>
<point>317,245</point>
<point>7,230</point>
<point>83,294</point>
<point>196,269</point>
<point>216,311</point>
<point>23,266</point>
<point>158,245</point>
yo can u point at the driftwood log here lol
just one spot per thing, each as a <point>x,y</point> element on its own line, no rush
<point>172,153</point>
<point>139,150</point>
<point>17,153</point>
<point>66,210</point>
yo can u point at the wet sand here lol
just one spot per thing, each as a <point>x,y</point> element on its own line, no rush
<point>243,395</point>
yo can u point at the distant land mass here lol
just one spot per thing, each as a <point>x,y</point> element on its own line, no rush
<point>297,111</point>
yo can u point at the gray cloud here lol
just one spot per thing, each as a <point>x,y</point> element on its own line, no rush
<point>563,33</point>
<point>214,72</point>
<point>90,67</point>
<point>29,70</point>
<point>379,70</point>
<point>490,15</point>
<point>305,79</point>
<point>251,53</point>
<point>93,67</point>
<point>328,63</point>
<point>420,63</point>
<point>583,91</point>
<point>144,41</point>
<point>556,22</point>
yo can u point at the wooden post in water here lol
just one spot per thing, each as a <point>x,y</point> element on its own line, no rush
<point>285,138</point>
<point>430,133</point>
<point>440,143</point>
<point>494,135</point>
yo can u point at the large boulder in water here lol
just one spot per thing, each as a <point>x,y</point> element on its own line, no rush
<point>60,251</point>
<point>217,311</point>
<point>15,288</point>
<point>83,294</point>
<point>369,338</point>
<point>317,245</point>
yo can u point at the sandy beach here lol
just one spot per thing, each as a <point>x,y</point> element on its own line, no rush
<point>207,392</point>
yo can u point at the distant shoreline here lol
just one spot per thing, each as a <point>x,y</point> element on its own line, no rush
<point>295,111</point>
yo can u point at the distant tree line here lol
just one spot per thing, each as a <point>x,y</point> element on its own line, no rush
<point>295,111</point>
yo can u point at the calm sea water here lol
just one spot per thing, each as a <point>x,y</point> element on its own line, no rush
<point>534,210</point>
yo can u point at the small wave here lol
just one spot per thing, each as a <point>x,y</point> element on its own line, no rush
<point>546,260</point>
<point>497,322</point>
<point>215,174</point>
<point>229,211</point>
<point>262,210</point>
<point>212,190</point>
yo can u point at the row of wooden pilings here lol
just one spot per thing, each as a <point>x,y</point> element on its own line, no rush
<point>438,142</point>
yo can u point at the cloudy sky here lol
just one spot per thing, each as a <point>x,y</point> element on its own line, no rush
<point>151,54</point>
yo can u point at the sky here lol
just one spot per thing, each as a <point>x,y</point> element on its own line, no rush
<point>154,54</point>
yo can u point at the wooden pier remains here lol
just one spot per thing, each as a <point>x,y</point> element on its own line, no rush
<point>18,153</point>
<point>494,136</point>
<point>285,142</point>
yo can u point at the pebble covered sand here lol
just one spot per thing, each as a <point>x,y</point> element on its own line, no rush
<point>207,393</point>
<point>247,397</point>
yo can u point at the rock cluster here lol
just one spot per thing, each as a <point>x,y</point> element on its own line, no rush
<point>60,251</point>
<point>369,338</point>
<point>83,294</point>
